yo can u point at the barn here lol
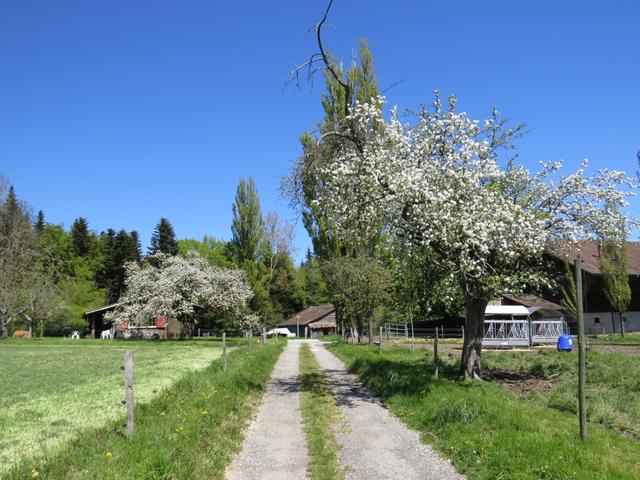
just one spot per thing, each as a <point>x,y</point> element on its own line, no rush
<point>313,322</point>
<point>161,327</point>
<point>599,316</point>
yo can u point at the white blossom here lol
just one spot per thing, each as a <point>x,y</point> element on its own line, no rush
<point>440,182</point>
<point>176,286</point>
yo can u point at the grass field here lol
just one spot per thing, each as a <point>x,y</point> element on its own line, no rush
<point>54,389</point>
<point>188,431</point>
<point>492,433</point>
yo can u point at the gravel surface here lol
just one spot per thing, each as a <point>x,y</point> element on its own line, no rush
<point>274,446</point>
<point>375,444</point>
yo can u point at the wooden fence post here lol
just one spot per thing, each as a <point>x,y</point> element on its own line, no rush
<point>582,407</point>
<point>436,362</point>
<point>128,391</point>
<point>380,344</point>
<point>224,351</point>
<point>413,336</point>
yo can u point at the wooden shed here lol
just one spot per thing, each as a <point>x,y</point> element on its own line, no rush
<point>312,322</point>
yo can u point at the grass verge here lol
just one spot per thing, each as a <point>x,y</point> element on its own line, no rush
<point>612,391</point>
<point>486,431</point>
<point>614,339</point>
<point>190,431</point>
<point>319,416</point>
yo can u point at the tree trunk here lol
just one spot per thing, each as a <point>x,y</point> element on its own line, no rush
<point>4,331</point>
<point>185,329</point>
<point>371,331</point>
<point>471,366</point>
<point>621,325</point>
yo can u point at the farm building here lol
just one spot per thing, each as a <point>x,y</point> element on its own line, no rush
<point>599,317</point>
<point>162,327</point>
<point>524,320</point>
<point>313,322</point>
<point>97,322</point>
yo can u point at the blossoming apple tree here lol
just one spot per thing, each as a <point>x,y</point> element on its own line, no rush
<point>442,181</point>
<point>177,286</point>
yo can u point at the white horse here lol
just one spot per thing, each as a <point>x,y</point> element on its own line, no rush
<point>105,335</point>
<point>75,335</point>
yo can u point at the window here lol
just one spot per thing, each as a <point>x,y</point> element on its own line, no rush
<point>596,319</point>
<point>625,319</point>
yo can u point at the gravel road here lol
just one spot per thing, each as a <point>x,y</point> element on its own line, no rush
<point>274,446</point>
<point>375,444</point>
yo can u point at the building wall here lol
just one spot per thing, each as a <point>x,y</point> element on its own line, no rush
<point>607,320</point>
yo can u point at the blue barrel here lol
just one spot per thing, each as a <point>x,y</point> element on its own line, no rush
<point>565,343</point>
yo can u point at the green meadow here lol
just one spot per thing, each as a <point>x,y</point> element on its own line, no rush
<point>54,389</point>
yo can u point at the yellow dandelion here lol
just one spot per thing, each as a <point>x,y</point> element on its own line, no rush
<point>34,473</point>
<point>108,454</point>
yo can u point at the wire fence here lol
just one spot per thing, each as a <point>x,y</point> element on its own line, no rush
<point>399,331</point>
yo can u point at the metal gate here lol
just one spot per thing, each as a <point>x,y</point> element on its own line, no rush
<point>395,330</point>
<point>523,332</point>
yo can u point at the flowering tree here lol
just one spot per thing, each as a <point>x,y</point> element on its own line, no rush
<point>177,286</point>
<point>441,182</point>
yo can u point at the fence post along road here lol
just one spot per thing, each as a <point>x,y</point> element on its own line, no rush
<point>128,391</point>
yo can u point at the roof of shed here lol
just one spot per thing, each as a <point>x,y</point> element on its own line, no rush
<point>101,309</point>
<point>530,300</point>
<point>311,314</point>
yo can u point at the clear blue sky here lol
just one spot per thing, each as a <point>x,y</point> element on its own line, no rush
<point>123,112</point>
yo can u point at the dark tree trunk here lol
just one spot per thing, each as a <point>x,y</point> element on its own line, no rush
<point>621,325</point>
<point>186,329</point>
<point>371,331</point>
<point>471,366</point>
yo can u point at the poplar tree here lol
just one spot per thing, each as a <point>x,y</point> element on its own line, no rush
<point>614,266</point>
<point>247,227</point>
<point>343,89</point>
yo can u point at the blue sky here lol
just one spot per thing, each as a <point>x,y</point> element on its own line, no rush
<point>123,112</point>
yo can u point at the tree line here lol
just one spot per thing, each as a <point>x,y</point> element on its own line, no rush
<point>50,275</point>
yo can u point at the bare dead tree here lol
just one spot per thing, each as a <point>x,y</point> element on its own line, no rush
<point>321,61</point>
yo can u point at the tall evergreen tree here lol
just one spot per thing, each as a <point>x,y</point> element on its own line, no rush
<point>106,278</point>
<point>13,217</point>
<point>81,237</point>
<point>314,286</point>
<point>163,239</point>
<point>40,223</point>
<point>135,247</point>
<point>248,225</point>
